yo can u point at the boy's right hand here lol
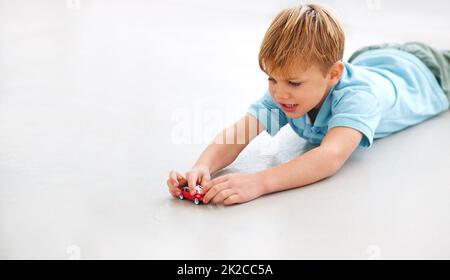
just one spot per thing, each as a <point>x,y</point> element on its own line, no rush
<point>175,182</point>
<point>197,175</point>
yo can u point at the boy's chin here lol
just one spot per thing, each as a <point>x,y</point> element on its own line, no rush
<point>294,115</point>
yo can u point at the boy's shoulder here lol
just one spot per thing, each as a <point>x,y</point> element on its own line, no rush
<point>353,80</point>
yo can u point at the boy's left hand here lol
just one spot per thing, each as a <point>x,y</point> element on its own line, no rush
<point>233,188</point>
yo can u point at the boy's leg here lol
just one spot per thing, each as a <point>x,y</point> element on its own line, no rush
<point>437,61</point>
<point>374,47</point>
<point>446,74</point>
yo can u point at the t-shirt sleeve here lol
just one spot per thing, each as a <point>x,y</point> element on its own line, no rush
<point>267,111</point>
<point>359,110</point>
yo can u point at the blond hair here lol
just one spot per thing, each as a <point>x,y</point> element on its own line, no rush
<point>302,36</point>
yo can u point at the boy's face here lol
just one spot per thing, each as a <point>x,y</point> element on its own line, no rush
<point>305,91</point>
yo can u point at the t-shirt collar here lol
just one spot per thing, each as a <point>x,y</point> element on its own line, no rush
<point>323,116</point>
<point>324,111</point>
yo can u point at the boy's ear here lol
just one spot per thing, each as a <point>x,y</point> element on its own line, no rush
<point>336,71</point>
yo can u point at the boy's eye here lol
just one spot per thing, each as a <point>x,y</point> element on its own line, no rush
<point>295,84</point>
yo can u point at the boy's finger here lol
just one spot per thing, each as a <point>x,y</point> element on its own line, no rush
<point>181,180</point>
<point>169,184</point>
<point>221,196</point>
<point>206,177</point>
<point>214,191</point>
<point>175,192</point>
<point>214,182</point>
<point>232,199</point>
<point>192,181</point>
<point>174,178</point>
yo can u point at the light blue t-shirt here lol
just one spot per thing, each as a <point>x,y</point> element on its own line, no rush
<point>381,92</point>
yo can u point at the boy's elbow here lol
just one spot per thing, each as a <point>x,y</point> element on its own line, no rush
<point>334,160</point>
<point>335,166</point>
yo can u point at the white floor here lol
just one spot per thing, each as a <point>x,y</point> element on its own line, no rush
<point>99,100</point>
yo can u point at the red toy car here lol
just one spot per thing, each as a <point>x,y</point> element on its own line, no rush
<point>197,197</point>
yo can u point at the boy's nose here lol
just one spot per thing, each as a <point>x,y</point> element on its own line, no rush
<point>279,92</point>
<point>280,95</point>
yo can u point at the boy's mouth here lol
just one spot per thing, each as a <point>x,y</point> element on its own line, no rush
<point>290,108</point>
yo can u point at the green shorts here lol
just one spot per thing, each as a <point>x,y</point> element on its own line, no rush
<point>437,61</point>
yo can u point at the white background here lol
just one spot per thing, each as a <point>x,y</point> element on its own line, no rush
<point>94,99</point>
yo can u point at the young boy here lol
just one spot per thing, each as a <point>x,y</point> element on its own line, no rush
<point>336,105</point>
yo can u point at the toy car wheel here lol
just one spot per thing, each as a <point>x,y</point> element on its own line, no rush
<point>181,196</point>
<point>196,201</point>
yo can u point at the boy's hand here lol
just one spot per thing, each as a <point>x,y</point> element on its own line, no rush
<point>233,188</point>
<point>175,182</point>
<point>198,175</point>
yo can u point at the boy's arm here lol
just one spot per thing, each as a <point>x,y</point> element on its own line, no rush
<point>229,143</point>
<point>313,166</point>
<point>316,164</point>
